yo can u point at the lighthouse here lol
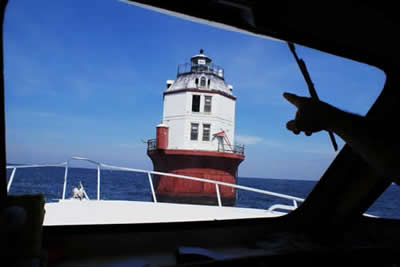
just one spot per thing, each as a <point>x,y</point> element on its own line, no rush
<point>197,135</point>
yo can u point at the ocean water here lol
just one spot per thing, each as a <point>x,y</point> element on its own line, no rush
<point>121,185</point>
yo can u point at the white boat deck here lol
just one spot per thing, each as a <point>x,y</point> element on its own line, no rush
<point>83,211</point>
<point>87,212</point>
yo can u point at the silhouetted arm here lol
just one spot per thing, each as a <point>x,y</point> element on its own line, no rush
<point>365,137</point>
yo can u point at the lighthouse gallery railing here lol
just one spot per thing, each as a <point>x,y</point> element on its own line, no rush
<point>236,149</point>
<point>149,175</point>
<point>200,68</point>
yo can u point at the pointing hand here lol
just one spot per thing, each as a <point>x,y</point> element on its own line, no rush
<point>311,116</point>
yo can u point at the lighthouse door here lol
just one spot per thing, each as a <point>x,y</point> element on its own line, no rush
<point>221,146</point>
<point>223,141</point>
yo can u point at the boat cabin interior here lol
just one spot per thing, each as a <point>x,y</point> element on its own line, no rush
<point>329,225</point>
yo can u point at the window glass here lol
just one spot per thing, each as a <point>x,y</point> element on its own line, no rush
<point>206,132</point>
<point>203,81</point>
<point>207,103</point>
<point>194,131</point>
<point>196,103</point>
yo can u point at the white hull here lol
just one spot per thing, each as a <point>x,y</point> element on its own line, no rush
<point>86,212</point>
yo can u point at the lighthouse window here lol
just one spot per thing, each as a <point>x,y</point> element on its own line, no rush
<point>203,82</point>
<point>207,103</point>
<point>194,131</point>
<point>206,132</point>
<point>196,103</point>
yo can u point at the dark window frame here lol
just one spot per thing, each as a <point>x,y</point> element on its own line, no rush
<point>207,106</point>
<point>203,81</point>
<point>196,103</point>
<point>206,131</point>
<point>194,131</point>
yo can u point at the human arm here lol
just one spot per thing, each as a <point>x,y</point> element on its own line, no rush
<point>378,146</point>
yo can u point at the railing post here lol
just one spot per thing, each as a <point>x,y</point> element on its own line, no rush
<point>65,180</point>
<point>98,181</point>
<point>218,195</point>
<point>152,188</point>
<point>295,203</point>
<point>11,179</point>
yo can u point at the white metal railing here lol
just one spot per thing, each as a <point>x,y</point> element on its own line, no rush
<point>15,167</point>
<point>149,174</point>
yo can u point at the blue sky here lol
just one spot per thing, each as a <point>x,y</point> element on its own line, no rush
<point>85,79</point>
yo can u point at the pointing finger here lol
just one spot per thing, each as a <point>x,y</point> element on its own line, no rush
<point>294,99</point>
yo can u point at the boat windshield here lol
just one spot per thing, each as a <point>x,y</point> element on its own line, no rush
<point>95,81</point>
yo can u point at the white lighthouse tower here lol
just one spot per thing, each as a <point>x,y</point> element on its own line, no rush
<point>199,104</point>
<point>196,136</point>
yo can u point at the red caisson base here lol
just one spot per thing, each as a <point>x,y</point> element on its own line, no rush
<point>217,166</point>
